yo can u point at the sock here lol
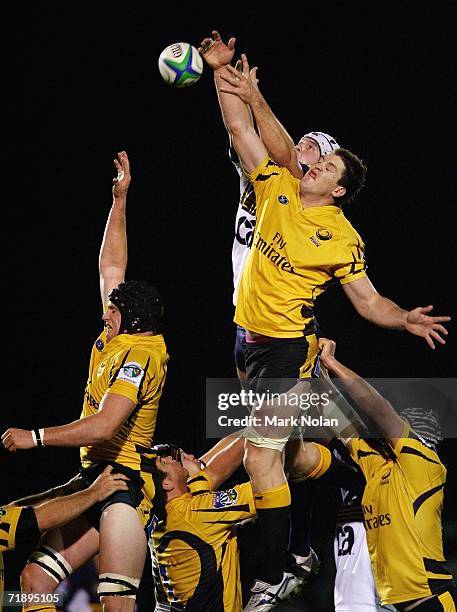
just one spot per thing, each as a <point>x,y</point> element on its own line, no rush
<point>273,525</point>
<point>300,517</point>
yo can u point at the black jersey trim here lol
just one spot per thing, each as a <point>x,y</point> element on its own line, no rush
<point>436,567</point>
<point>209,592</point>
<point>422,498</point>
<point>265,177</point>
<point>409,450</point>
<point>197,479</point>
<point>241,508</point>
<point>362,453</point>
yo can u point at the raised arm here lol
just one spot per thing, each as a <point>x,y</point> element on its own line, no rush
<point>222,465</point>
<point>113,252</point>
<point>365,396</point>
<point>277,141</point>
<point>235,113</point>
<point>385,313</point>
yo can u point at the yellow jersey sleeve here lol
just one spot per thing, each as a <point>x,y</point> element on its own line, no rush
<point>200,483</point>
<point>215,511</point>
<point>262,179</point>
<point>351,265</point>
<point>133,374</point>
<point>420,463</point>
<point>9,519</point>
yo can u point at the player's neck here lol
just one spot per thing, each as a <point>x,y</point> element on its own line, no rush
<point>309,201</point>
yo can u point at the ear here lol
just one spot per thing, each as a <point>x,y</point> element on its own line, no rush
<point>339,192</point>
<point>167,484</point>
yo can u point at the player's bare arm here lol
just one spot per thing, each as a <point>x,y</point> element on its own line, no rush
<point>222,465</point>
<point>385,313</point>
<point>113,252</point>
<point>58,512</point>
<point>88,431</point>
<point>279,144</point>
<point>235,113</point>
<point>366,397</point>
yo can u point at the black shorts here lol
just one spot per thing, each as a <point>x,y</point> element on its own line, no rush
<point>282,359</point>
<point>133,497</point>
<point>438,603</point>
<point>240,348</point>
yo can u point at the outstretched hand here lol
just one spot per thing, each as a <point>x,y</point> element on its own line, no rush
<point>241,81</point>
<point>122,181</point>
<point>419,323</point>
<point>215,52</point>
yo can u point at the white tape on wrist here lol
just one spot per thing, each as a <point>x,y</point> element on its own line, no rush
<point>34,438</point>
<point>42,435</point>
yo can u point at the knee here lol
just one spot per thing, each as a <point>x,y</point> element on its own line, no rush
<point>34,579</point>
<point>117,604</point>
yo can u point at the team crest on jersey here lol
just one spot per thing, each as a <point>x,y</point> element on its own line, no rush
<point>100,345</point>
<point>324,234</point>
<point>223,499</point>
<point>2,511</point>
<point>131,372</point>
<point>282,199</point>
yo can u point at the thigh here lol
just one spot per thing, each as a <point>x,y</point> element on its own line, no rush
<point>122,541</point>
<point>77,541</point>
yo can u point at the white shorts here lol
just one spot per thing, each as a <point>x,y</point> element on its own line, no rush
<point>355,589</point>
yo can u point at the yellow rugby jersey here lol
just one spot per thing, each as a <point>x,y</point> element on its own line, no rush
<point>14,522</point>
<point>135,367</point>
<point>296,254</point>
<point>197,552</point>
<point>402,506</point>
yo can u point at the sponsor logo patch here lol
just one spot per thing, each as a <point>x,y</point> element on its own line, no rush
<point>131,372</point>
<point>315,241</point>
<point>223,499</point>
<point>100,345</point>
<point>282,199</point>
<point>324,234</point>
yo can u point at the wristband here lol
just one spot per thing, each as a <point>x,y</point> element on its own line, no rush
<point>37,435</point>
<point>42,435</point>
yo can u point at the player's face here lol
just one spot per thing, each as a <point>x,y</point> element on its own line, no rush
<point>112,321</point>
<point>322,178</point>
<point>176,474</point>
<point>308,151</point>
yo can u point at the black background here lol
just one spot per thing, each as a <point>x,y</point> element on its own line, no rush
<point>379,78</point>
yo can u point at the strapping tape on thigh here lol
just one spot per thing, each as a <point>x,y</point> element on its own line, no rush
<point>253,437</point>
<point>116,585</point>
<point>52,562</point>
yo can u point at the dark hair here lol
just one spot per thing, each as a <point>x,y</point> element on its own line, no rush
<point>353,178</point>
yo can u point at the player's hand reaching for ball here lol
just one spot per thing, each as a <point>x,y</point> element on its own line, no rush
<point>215,52</point>
<point>122,181</point>
<point>17,439</point>
<point>241,81</point>
<point>108,483</point>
